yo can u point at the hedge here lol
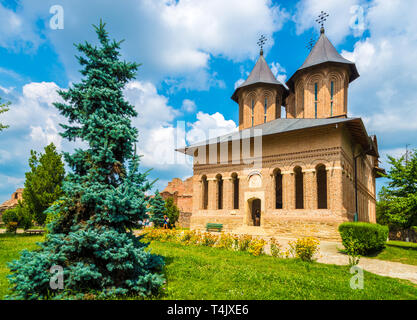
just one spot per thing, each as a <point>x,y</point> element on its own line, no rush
<point>370,237</point>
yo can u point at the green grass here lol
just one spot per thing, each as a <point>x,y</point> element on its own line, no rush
<point>399,251</point>
<point>10,246</point>
<point>211,273</point>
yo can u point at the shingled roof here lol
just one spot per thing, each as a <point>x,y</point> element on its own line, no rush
<point>261,74</point>
<point>278,126</point>
<point>324,52</point>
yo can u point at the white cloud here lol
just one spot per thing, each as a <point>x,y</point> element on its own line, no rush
<point>209,126</point>
<point>386,93</point>
<point>238,83</point>
<point>173,39</point>
<point>279,72</point>
<point>338,24</point>
<point>188,105</point>
<point>16,33</point>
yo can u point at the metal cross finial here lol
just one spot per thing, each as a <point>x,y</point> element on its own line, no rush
<point>310,44</point>
<point>261,43</point>
<point>322,17</point>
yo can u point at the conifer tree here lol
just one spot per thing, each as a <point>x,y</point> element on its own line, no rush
<point>92,237</point>
<point>173,212</point>
<point>3,108</point>
<point>43,184</point>
<point>158,209</point>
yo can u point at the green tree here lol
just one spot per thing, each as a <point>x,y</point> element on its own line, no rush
<point>172,211</point>
<point>3,108</point>
<point>104,199</point>
<point>43,184</point>
<point>158,210</point>
<point>19,214</point>
<point>397,204</point>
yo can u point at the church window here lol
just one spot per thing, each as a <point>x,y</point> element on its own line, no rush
<point>253,110</point>
<point>331,98</point>
<point>219,192</point>
<point>321,175</point>
<point>299,188</point>
<point>235,180</point>
<point>204,183</point>
<point>265,108</point>
<point>315,99</point>
<point>278,189</point>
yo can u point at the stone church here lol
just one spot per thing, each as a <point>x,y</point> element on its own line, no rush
<point>293,176</point>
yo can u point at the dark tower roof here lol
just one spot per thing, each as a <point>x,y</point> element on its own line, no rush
<point>261,74</point>
<point>324,52</point>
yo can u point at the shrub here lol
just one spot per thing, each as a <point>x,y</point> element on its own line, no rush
<point>11,226</point>
<point>20,214</point>
<point>275,248</point>
<point>226,241</point>
<point>367,237</point>
<point>256,247</point>
<point>243,242</point>
<point>208,240</point>
<point>304,248</point>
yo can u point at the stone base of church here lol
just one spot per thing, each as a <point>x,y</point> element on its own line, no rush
<point>289,224</point>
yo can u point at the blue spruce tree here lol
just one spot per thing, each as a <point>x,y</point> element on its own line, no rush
<point>158,209</point>
<point>91,236</point>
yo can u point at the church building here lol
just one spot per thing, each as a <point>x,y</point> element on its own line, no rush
<point>295,176</point>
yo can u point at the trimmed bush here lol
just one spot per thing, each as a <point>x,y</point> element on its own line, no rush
<point>369,237</point>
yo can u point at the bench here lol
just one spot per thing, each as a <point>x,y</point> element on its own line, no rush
<point>214,226</point>
<point>34,231</point>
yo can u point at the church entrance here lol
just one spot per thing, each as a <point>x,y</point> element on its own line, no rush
<point>256,212</point>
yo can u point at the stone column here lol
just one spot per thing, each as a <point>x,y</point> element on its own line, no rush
<point>212,193</point>
<point>227,193</point>
<point>334,190</point>
<point>288,191</point>
<point>310,189</point>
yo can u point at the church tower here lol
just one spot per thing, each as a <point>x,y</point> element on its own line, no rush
<point>260,97</point>
<point>319,88</point>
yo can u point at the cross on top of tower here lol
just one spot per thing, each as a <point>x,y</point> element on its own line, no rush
<point>311,43</point>
<point>322,18</point>
<point>261,43</point>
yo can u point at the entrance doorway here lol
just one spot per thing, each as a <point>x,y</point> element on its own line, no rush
<point>256,212</point>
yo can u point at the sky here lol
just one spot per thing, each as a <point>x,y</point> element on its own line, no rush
<point>194,53</point>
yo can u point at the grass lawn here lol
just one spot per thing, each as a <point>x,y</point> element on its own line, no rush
<point>10,246</point>
<point>399,251</point>
<point>212,273</point>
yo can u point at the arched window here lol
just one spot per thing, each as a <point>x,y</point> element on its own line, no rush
<point>235,180</point>
<point>316,89</point>
<point>219,192</point>
<point>321,175</point>
<point>204,198</point>
<point>253,110</point>
<point>265,108</point>
<point>299,188</point>
<point>331,98</point>
<point>278,189</point>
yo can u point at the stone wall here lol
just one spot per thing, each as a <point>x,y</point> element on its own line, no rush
<point>12,202</point>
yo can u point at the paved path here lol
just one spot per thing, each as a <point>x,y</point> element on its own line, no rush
<point>330,254</point>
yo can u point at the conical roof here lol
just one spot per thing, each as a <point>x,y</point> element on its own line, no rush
<point>261,73</point>
<point>324,52</point>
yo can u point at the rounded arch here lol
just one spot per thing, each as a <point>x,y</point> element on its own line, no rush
<point>278,188</point>
<point>204,192</point>
<point>235,182</point>
<point>299,187</point>
<point>321,180</point>
<point>219,191</point>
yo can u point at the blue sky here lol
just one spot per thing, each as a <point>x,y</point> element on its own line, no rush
<point>193,54</point>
